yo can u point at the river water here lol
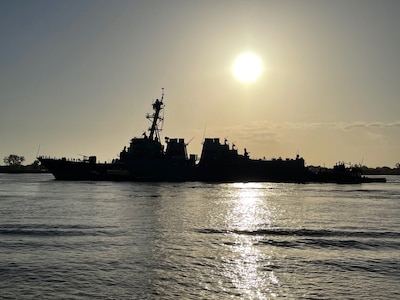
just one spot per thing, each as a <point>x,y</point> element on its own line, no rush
<point>109,240</point>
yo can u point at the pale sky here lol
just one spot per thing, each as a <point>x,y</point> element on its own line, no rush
<point>78,77</point>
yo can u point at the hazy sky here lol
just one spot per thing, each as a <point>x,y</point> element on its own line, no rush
<point>78,77</point>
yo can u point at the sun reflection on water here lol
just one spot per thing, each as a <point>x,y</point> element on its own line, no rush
<point>249,207</point>
<point>249,268</point>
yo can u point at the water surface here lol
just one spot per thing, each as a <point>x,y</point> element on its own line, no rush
<point>109,240</point>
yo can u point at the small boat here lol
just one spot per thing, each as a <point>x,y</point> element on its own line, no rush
<point>343,175</point>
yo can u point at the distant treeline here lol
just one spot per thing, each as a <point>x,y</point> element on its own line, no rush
<point>380,171</point>
<point>369,171</point>
<point>22,169</point>
<point>13,164</point>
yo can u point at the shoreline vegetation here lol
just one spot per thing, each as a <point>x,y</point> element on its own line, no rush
<point>14,164</point>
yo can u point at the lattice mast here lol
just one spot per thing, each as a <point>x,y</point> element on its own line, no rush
<point>156,118</point>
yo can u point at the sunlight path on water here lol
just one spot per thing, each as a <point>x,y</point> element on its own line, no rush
<point>248,213</point>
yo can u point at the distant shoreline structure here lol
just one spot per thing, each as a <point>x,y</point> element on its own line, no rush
<point>22,170</point>
<point>374,171</point>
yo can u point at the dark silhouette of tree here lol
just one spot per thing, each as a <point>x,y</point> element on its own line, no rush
<point>398,166</point>
<point>14,160</point>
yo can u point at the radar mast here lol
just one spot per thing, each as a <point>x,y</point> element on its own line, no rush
<point>156,118</point>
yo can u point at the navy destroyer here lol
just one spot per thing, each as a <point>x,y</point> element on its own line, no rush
<point>148,159</point>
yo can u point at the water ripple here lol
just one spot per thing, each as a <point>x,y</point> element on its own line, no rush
<point>306,232</point>
<point>54,230</point>
<point>307,238</point>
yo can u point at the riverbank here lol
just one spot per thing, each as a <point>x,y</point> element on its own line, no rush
<point>21,170</point>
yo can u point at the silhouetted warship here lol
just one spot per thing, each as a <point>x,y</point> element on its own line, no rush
<point>146,160</point>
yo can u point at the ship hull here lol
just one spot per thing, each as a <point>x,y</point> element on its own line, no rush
<point>261,171</point>
<point>71,170</point>
<point>169,171</point>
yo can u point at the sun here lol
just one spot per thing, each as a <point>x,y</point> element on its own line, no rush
<point>247,67</point>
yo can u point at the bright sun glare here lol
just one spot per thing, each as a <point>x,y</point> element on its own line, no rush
<point>247,67</point>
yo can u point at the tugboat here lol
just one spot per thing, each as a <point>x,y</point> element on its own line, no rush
<point>146,160</point>
<point>343,175</point>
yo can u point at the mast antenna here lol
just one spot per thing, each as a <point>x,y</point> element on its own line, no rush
<point>204,131</point>
<point>37,153</point>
